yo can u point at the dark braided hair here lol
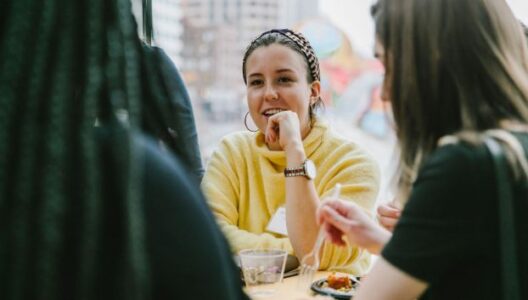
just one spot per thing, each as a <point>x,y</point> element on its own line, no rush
<point>298,43</point>
<point>71,225</point>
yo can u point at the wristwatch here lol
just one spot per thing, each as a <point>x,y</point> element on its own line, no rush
<point>307,169</point>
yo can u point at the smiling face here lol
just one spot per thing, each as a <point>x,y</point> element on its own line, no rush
<point>277,81</point>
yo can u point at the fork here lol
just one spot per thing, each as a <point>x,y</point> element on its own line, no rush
<point>310,261</point>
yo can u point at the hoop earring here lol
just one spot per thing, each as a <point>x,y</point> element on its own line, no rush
<point>245,123</point>
<point>311,110</point>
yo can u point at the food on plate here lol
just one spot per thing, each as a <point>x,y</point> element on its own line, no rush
<point>340,282</point>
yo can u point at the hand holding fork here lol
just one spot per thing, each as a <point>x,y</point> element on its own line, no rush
<point>310,262</point>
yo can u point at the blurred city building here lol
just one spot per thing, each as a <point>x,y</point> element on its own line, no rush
<point>168,29</point>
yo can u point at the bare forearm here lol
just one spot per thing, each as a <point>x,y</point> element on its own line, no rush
<point>301,205</point>
<point>388,282</point>
<point>240,239</point>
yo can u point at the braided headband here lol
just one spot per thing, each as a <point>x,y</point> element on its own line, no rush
<point>304,45</point>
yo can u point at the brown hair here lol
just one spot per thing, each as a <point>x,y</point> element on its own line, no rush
<point>451,66</point>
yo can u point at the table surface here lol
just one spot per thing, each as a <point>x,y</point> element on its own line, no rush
<point>287,289</point>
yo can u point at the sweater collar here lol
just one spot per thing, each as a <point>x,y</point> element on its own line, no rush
<point>311,142</point>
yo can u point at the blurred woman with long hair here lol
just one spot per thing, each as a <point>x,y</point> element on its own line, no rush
<point>456,73</point>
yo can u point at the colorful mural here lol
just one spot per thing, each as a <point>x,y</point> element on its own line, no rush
<point>350,83</point>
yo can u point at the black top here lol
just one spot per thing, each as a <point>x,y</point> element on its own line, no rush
<point>448,231</point>
<point>190,258</point>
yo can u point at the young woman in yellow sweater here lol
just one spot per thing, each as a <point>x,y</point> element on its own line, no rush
<point>265,186</point>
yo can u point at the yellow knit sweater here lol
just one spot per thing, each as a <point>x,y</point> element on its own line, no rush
<point>244,183</point>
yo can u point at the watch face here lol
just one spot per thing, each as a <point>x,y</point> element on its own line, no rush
<point>310,170</point>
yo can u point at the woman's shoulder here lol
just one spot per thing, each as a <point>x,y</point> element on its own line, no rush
<point>341,153</point>
<point>159,162</point>
<point>235,144</point>
<point>463,157</point>
<point>454,148</point>
<point>238,137</point>
<point>341,145</point>
<point>236,140</point>
<point>457,150</point>
<point>458,160</point>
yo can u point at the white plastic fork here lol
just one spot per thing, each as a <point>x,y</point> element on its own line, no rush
<point>310,262</point>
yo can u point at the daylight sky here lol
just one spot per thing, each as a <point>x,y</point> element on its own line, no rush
<point>353,17</point>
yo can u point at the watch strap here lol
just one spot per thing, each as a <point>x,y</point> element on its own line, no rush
<point>298,171</point>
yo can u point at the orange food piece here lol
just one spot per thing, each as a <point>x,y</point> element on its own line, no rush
<point>337,281</point>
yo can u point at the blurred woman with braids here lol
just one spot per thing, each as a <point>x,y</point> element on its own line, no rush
<point>456,76</point>
<point>89,209</point>
<point>262,185</point>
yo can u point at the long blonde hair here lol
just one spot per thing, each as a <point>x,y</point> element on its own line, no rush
<point>451,66</point>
